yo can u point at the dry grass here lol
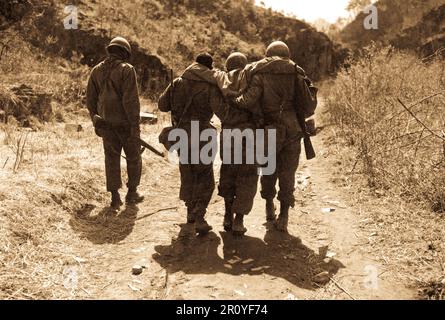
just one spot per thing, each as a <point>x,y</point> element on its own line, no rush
<point>395,151</point>
<point>401,161</point>
<point>22,63</point>
<point>47,227</point>
<point>58,174</point>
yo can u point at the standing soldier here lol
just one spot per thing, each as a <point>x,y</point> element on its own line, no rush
<point>238,182</point>
<point>113,103</point>
<point>191,99</point>
<point>277,87</point>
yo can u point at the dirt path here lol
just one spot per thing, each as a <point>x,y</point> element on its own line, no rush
<point>264,265</point>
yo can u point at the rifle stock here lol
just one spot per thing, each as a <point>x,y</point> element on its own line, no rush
<point>308,147</point>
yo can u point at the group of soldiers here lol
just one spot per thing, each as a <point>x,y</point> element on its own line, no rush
<point>260,95</point>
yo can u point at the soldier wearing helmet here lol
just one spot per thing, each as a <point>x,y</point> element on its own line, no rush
<point>113,97</point>
<point>275,85</point>
<point>238,181</point>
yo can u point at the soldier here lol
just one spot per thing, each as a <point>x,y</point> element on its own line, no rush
<point>277,88</point>
<point>238,182</point>
<point>112,95</point>
<point>191,99</point>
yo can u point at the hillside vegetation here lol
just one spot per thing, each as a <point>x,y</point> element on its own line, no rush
<point>410,24</point>
<point>390,107</point>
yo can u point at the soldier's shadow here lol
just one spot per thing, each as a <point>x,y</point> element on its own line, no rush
<point>280,255</point>
<point>107,226</point>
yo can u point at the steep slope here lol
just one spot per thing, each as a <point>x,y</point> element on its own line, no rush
<point>395,19</point>
<point>166,34</point>
<point>428,36</point>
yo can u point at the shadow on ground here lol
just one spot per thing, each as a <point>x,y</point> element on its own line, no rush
<point>280,255</point>
<point>108,226</point>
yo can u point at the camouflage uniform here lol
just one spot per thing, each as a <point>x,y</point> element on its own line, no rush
<point>197,180</point>
<point>112,93</point>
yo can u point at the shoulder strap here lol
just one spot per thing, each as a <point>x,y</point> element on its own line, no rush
<point>187,107</point>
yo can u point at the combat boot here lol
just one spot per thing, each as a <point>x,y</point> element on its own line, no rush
<point>238,226</point>
<point>270,210</point>
<point>133,197</point>
<point>228,216</point>
<point>283,218</point>
<point>201,225</point>
<point>116,201</point>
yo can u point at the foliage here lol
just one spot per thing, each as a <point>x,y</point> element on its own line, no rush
<point>396,152</point>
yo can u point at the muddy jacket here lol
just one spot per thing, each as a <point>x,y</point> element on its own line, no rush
<point>276,86</point>
<point>201,98</point>
<point>112,93</point>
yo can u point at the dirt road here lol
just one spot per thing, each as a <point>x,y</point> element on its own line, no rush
<point>326,254</point>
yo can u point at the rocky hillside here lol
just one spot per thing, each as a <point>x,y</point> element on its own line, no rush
<point>166,34</point>
<point>413,24</point>
<point>428,36</point>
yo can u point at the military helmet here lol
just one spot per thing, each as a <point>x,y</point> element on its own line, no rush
<point>278,49</point>
<point>236,60</point>
<point>120,42</point>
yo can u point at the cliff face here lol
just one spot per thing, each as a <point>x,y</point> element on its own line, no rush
<point>406,24</point>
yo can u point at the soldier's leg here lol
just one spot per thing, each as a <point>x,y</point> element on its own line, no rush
<point>112,151</point>
<point>268,193</point>
<point>289,159</point>
<point>186,190</point>
<point>134,169</point>
<point>204,185</point>
<point>227,189</point>
<point>268,183</point>
<point>246,188</point>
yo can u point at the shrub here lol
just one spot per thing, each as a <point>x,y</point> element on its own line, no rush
<point>399,150</point>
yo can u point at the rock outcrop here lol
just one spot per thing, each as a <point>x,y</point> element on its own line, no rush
<point>407,24</point>
<point>26,104</point>
<point>427,37</point>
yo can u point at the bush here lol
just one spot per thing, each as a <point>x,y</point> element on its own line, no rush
<point>396,151</point>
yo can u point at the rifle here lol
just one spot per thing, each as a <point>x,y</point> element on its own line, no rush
<point>100,123</point>
<point>307,101</point>
<point>149,147</point>
<point>308,147</point>
<point>171,93</point>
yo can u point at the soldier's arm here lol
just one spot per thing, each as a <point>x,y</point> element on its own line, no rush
<point>130,97</point>
<point>218,103</point>
<point>252,95</point>
<point>164,103</point>
<point>92,95</point>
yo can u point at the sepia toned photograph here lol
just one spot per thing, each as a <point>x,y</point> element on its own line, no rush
<point>232,152</point>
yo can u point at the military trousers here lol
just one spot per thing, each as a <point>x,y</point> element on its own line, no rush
<point>288,150</point>
<point>197,186</point>
<point>114,141</point>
